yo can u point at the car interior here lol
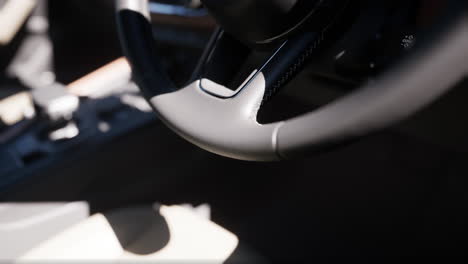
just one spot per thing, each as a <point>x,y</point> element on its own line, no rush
<point>232,131</point>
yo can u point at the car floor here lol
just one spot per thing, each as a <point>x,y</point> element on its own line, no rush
<point>384,195</point>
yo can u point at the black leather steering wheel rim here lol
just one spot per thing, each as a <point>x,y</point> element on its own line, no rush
<point>228,126</point>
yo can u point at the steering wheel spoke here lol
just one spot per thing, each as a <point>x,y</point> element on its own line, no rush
<point>224,126</point>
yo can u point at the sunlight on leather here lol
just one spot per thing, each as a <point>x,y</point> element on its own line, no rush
<point>190,238</point>
<point>12,15</point>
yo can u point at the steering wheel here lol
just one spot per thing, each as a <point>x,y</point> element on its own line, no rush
<point>223,119</point>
